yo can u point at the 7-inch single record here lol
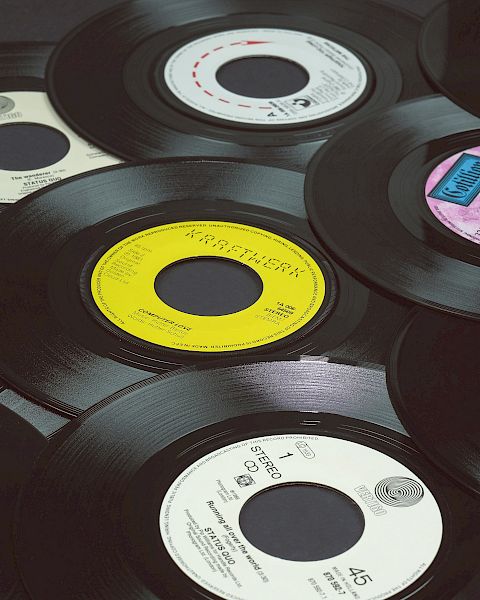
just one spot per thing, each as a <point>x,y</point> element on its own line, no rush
<point>433,376</point>
<point>396,199</point>
<point>36,147</point>
<point>264,80</point>
<point>147,268</point>
<point>20,445</point>
<point>450,53</point>
<point>245,482</point>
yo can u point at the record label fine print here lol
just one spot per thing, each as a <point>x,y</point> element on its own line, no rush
<point>123,286</point>
<point>453,193</point>
<point>199,520</point>
<point>334,77</point>
<point>32,108</point>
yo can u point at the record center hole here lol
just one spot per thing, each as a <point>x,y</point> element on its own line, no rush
<point>29,147</point>
<point>302,522</point>
<point>208,286</point>
<point>262,77</point>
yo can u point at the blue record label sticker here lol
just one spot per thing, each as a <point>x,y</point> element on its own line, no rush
<point>452,193</point>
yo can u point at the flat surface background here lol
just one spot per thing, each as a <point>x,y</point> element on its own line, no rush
<point>50,20</point>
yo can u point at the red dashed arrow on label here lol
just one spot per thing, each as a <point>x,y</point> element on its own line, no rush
<point>204,56</point>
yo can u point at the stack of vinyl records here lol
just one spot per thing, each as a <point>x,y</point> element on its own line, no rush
<point>240,304</point>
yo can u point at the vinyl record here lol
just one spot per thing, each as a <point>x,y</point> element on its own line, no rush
<point>449,51</point>
<point>244,482</point>
<point>434,384</point>
<point>396,199</point>
<point>36,147</point>
<point>20,445</point>
<point>147,268</point>
<point>264,80</point>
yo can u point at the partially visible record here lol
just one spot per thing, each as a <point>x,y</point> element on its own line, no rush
<point>36,147</point>
<point>264,80</point>
<point>246,482</point>
<point>396,199</point>
<point>433,375</point>
<point>147,268</point>
<point>450,53</point>
<point>20,445</point>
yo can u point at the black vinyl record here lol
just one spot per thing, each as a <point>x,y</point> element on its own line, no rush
<point>116,275</point>
<point>396,199</point>
<point>20,445</point>
<point>433,376</point>
<point>450,53</point>
<point>208,481</point>
<point>263,80</point>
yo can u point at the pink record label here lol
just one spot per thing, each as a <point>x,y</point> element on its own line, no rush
<point>452,192</point>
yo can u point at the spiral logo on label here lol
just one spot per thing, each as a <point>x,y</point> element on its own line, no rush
<point>400,492</point>
<point>6,104</point>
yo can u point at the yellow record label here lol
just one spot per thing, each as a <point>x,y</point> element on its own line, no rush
<point>123,286</point>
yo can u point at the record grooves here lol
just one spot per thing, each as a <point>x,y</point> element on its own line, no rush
<point>22,66</point>
<point>81,293</point>
<point>129,462</point>
<point>162,91</point>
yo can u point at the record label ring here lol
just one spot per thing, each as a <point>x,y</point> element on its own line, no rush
<point>124,291</point>
<point>452,192</point>
<point>201,520</point>
<point>334,77</point>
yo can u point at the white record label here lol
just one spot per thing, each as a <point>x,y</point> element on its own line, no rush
<point>337,77</point>
<point>199,521</point>
<point>35,108</point>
